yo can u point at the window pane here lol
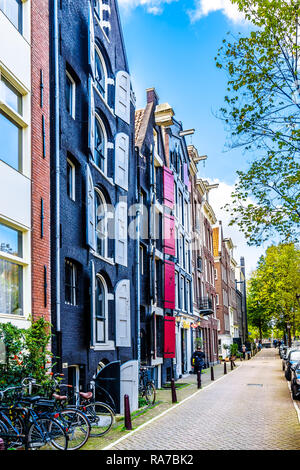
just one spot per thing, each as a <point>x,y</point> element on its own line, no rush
<point>10,240</point>
<point>100,76</point>
<point>99,146</point>
<point>11,288</point>
<point>10,95</point>
<point>13,10</point>
<point>10,142</point>
<point>69,100</point>
<point>70,180</point>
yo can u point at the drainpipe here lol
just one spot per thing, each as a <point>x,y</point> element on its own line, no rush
<point>138,269</point>
<point>57,171</point>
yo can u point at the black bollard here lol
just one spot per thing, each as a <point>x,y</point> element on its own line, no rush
<point>199,378</point>
<point>174,396</point>
<point>231,365</point>
<point>225,368</point>
<point>127,415</point>
<point>212,375</point>
<point>248,356</point>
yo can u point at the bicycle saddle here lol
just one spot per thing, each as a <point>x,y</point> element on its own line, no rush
<point>87,395</point>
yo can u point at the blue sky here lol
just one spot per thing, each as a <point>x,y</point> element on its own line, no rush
<point>171,45</point>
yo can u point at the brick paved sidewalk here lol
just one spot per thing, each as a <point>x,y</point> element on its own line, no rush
<point>249,409</point>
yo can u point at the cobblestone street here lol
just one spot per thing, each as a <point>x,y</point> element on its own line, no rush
<point>248,409</point>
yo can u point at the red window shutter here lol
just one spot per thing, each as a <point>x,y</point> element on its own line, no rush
<point>169,295</point>
<point>169,235</point>
<point>170,338</point>
<point>168,181</point>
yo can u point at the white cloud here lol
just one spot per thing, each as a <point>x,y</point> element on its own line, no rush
<point>154,7</point>
<point>217,199</point>
<point>205,7</point>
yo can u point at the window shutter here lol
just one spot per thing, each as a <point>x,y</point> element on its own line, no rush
<point>169,337</point>
<point>91,41</point>
<point>121,160</point>
<point>123,330</point>
<point>90,210</point>
<point>122,98</point>
<point>169,235</point>
<point>121,233</point>
<point>91,120</point>
<point>168,181</point>
<point>169,283</point>
<point>185,174</point>
<point>92,299</point>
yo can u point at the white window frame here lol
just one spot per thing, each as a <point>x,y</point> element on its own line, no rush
<point>99,120</point>
<point>98,53</point>
<point>73,93</point>
<point>72,196</point>
<point>23,262</point>
<point>74,268</point>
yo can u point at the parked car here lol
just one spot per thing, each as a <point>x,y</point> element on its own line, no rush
<point>292,358</point>
<point>282,350</point>
<point>295,382</point>
<point>285,354</point>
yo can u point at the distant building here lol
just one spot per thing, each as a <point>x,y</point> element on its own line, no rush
<point>205,327</point>
<point>24,162</point>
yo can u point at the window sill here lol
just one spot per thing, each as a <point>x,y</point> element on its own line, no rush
<point>110,180</point>
<point>104,101</point>
<point>106,260</point>
<point>109,346</point>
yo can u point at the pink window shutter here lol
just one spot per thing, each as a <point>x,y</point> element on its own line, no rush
<point>169,338</point>
<point>169,235</point>
<point>169,284</point>
<point>168,180</point>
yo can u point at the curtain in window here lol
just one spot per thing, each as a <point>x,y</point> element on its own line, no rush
<point>11,287</point>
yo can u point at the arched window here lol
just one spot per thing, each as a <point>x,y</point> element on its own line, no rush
<point>100,144</point>
<point>100,74</point>
<point>101,223</point>
<point>101,310</point>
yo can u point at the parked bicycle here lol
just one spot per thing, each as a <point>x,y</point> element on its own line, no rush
<point>99,414</point>
<point>23,427</point>
<point>146,387</point>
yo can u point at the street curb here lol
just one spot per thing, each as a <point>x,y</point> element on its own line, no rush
<point>294,402</point>
<point>168,410</point>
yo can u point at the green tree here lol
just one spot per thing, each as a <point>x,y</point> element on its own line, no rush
<point>258,310</point>
<point>273,290</point>
<point>262,112</point>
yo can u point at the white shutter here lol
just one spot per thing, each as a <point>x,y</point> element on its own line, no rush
<point>91,126</point>
<point>121,228</point>
<point>123,330</point>
<point>121,160</point>
<point>90,210</point>
<point>122,98</point>
<point>91,41</point>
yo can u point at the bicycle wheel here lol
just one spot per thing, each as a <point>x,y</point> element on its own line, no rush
<point>77,426</point>
<point>150,393</point>
<point>4,434</point>
<point>100,416</point>
<point>47,432</point>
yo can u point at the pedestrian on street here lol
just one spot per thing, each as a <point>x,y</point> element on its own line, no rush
<point>244,349</point>
<point>198,360</point>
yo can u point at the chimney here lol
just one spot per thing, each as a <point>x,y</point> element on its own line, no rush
<point>152,96</point>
